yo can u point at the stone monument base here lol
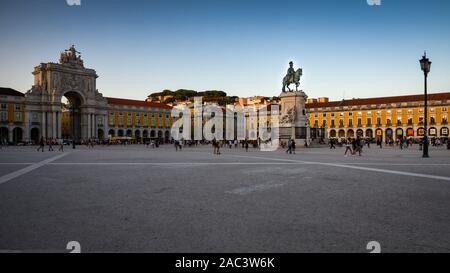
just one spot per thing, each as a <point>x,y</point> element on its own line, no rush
<point>294,122</point>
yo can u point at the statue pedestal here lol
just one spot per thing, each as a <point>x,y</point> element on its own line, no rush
<point>293,119</point>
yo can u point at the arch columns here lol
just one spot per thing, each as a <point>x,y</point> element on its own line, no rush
<point>26,133</point>
<point>10,133</point>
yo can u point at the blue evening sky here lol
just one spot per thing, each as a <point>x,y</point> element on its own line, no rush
<point>240,46</point>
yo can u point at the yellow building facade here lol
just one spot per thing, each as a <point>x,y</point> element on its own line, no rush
<point>138,119</point>
<point>12,115</point>
<point>387,118</point>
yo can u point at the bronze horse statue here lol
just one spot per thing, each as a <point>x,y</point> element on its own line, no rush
<point>292,79</point>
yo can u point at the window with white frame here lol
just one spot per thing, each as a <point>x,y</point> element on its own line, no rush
<point>3,116</point>
<point>17,116</point>
<point>120,119</point>
<point>111,119</point>
<point>129,120</point>
<point>145,120</point>
<point>100,120</point>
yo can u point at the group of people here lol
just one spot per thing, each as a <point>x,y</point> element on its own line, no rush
<point>291,146</point>
<point>50,142</point>
<point>216,144</point>
<point>353,146</point>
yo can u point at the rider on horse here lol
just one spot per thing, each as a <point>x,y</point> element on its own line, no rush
<point>291,72</point>
<point>292,77</point>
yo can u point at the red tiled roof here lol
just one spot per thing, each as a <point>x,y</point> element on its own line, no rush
<point>10,92</point>
<point>118,101</point>
<point>381,100</point>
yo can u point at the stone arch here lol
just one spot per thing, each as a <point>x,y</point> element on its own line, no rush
<point>360,133</point>
<point>350,133</point>
<point>17,135</point>
<point>35,135</point>
<point>100,134</point>
<point>399,133</point>
<point>166,136</point>
<point>432,132</point>
<point>4,135</point>
<point>137,133</point>
<point>72,114</point>
<point>389,134</point>
<point>379,134</point>
<point>333,133</point>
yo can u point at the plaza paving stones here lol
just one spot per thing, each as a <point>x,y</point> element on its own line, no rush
<point>137,199</point>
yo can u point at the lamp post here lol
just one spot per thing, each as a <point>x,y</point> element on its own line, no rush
<point>425,65</point>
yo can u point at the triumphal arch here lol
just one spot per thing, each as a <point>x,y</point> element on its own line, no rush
<point>86,107</point>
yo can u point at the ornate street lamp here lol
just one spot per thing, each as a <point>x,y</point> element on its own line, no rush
<point>425,65</point>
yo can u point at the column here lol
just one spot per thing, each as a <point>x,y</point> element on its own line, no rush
<point>26,133</point>
<point>59,119</point>
<point>92,125</point>
<point>10,133</point>
<point>44,125</point>
<point>96,126</point>
<point>49,119</point>
<point>89,125</point>
<point>54,125</point>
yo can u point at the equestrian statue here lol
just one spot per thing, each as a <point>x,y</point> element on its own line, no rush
<point>292,77</point>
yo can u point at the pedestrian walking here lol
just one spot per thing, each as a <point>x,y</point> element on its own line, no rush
<point>61,146</point>
<point>348,147</point>
<point>357,146</point>
<point>289,150</point>
<point>50,144</point>
<point>216,146</point>
<point>332,144</point>
<point>41,144</point>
